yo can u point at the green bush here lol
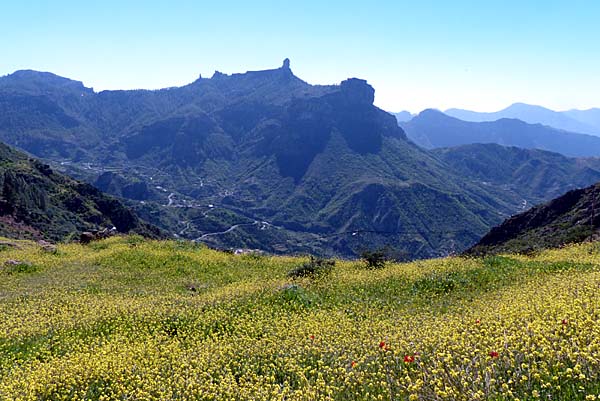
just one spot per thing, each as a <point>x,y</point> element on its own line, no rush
<point>315,267</point>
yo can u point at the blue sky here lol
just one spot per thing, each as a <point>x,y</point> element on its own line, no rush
<point>481,55</point>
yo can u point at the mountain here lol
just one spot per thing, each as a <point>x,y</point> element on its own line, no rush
<point>533,175</point>
<point>36,202</point>
<point>572,217</point>
<point>403,116</point>
<point>581,121</point>
<point>434,129</point>
<point>256,160</point>
<point>590,117</point>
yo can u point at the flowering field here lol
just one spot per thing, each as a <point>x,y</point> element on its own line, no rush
<point>133,320</point>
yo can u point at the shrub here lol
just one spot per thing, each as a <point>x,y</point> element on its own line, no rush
<point>315,267</point>
<point>295,296</point>
<point>374,259</point>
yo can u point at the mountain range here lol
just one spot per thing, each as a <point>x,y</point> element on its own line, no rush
<point>581,121</point>
<point>265,160</point>
<point>434,129</point>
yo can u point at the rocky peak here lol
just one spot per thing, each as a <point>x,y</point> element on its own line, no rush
<point>218,75</point>
<point>432,114</point>
<point>357,91</point>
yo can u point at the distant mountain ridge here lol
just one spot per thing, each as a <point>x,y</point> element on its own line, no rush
<point>403,116</point>
<point>579,121</point>
<point>434,129</point>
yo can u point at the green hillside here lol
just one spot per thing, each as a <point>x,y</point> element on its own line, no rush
<point>534,175</point>
<point>38,203</point>
<point>129,319</point>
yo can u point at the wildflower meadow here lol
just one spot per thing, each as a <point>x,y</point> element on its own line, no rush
<point>130,319</point>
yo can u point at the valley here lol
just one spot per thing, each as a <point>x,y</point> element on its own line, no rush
<point>332,174</point>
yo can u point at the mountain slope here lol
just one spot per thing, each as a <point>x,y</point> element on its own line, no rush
<point>534,175</point>
<point>36,202</point>
<point>581,121</point>
<point>434,129</point>
<point>572,217</point>
<point>258,160</point>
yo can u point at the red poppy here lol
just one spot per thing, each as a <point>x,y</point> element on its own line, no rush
<point>477,321</point>
<point>312,337</point>
<point>353,364</point>
<point>382,344</point>
<point>494,354</point>
<point>565,322</point>
<point>409,359</point>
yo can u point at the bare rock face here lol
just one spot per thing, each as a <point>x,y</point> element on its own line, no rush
<point>357,91</point>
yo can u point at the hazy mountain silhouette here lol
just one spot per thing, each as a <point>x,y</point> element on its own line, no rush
<point>434,129</point>
<point>403,116</point>
<point>580,121</point>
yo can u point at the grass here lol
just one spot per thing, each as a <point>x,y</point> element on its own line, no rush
<point>126,318</point>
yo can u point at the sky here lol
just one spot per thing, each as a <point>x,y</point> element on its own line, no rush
<point>477,55</point>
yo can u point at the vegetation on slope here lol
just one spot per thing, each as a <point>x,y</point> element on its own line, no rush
<point>129,319</point>
<point>214,160</point>
<point>536,176</point>
<point>36,202</point>
<point>572,217</point>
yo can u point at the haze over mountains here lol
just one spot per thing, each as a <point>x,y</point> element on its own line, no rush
<point>434,129</point>
<point>265,160</point>
<point>580,121</point>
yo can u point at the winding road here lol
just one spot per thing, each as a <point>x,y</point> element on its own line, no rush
<point>230,229</point>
